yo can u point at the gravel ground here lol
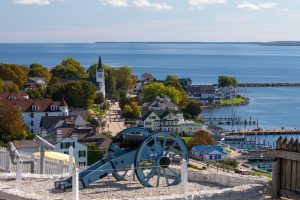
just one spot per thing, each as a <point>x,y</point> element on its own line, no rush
<point>108,188</point>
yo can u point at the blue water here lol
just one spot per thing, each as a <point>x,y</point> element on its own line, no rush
<point>274,107</point>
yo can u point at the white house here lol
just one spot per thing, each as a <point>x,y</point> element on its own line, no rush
<point>32,110</point>
<point>202,93</point>
<point>209,152</point>
<point>160,104</point>
<point>100,78</point>
<point>228,92</point>
<point>62,141</point>
<point>170,121</point>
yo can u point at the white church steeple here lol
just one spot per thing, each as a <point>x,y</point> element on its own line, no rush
<point>100,79</point>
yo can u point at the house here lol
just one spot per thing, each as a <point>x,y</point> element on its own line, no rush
<point>79,138</point>
<point>14,95</point>
<point>228,92</point>
<point>32,110</point>
<point>208,152</point>
<point>98,81</point>
<point>34,83</point>
<point>160,104</point>
<point>28,146</point>
<point>202,93</point>
<point>171,121</point>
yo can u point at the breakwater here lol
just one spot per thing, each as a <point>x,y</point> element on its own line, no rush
<point>269,85</point>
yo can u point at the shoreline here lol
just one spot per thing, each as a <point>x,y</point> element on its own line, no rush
<point>244,103</point>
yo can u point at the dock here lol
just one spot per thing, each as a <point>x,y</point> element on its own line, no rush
<point>229,121</point>
<point>264,132</point>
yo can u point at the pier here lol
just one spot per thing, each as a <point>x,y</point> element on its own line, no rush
<point>264,132</point>
<point>229,121</point>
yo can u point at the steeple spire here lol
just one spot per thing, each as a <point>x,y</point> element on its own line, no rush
<point>100,69</point>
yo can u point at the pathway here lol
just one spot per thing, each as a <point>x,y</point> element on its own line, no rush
<point>114,122</point>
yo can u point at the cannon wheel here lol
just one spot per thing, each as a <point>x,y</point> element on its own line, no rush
<point>157,158</point>
<point>114,149</point>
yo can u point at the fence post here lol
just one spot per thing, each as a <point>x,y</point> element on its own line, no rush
<point>19,174</point>
<point>133,172</point>
<point>42,160</point>
<point>75,184</point>
<point>184,176</point>
<point>8,163</point>
<point>70,160</point>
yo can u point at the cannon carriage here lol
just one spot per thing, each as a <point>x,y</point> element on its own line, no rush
<point>154,156</point>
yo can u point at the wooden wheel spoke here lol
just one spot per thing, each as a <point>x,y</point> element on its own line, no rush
<point>165,175</point>
<point>158,176</point>
<point>170,148</point>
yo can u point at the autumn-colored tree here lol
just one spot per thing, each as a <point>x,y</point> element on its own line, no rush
<point>38,70</point>
<point>69,68</point>
<point>15,73</point>
<point>202,137</point>
<point>2,88</point>
<point>11,124</point>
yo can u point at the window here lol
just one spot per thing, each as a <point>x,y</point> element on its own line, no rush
<point>46,114</point>
<point>152,117</point>
<point>81,154</point>
<point>66,145</point>
<point>81,163</point>
<point>210,157</point>
<point>34,108</point>
<point>148,123</point>
<point>219,157</point>
<point>32,123</point>
<point>32,115</point>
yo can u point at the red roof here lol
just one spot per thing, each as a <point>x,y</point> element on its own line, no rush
<point>27,105</point>
<point>14,95</point>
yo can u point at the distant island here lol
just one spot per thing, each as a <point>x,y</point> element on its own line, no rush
<point>282,43</point>
<point>273,43</point>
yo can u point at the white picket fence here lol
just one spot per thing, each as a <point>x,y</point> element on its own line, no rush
<point>52,166</point>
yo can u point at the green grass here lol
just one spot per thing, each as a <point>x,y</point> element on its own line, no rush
<point>186,139</point>
<point>95,109</point>
<point>261,174</point>
<point>237,100</point>
<point>228,151</point>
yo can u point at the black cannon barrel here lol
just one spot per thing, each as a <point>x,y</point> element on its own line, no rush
<point>129,140</point>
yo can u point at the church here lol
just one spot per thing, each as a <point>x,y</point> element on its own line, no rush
<point>98,80</point>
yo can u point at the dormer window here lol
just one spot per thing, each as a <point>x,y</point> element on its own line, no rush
<point>53,107</point>
<point>34,107</point>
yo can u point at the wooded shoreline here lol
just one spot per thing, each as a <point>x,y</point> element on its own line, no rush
<point>268,84</point>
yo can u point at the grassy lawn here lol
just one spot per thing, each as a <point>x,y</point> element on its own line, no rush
<point>95,109</point>
<point>261,174</point>
<point>186,139</point>
<point>237,100</point>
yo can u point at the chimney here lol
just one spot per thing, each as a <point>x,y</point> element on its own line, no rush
<point>74,137</point>
<point>44,133</point>
<point>58,135</point>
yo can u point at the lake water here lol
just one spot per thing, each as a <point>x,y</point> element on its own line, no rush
<point>273,107</point>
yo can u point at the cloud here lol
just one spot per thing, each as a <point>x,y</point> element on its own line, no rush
<point>202,3</point>
<point>147,4</point>
<point>34,2</point>
<point>252,6</point>
<point>152,5</point>
<point>116,3</point>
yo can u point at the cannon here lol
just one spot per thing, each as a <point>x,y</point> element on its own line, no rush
<point>154,156</point>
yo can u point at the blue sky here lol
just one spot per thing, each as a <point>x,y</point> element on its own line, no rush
<point>148,20</point>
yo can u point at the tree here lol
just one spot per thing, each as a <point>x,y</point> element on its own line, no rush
<point>132,110</point>
<point>15,73</point>
<point>193,109</point>
<point>38,70</point>
<point>202,137</point>
<point>11,123</point>
<point>94,154</point>
<point>224,81</point>
<point>147,77</point>
<point>99,98</point>
<point>77,93</point>
<point>151,90</point>
<point>171,78</point>
<point>36,93</point>
<point>91,71</point>
<point>2,88</point>
<point>69,68</point>
<point>11,87</point>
